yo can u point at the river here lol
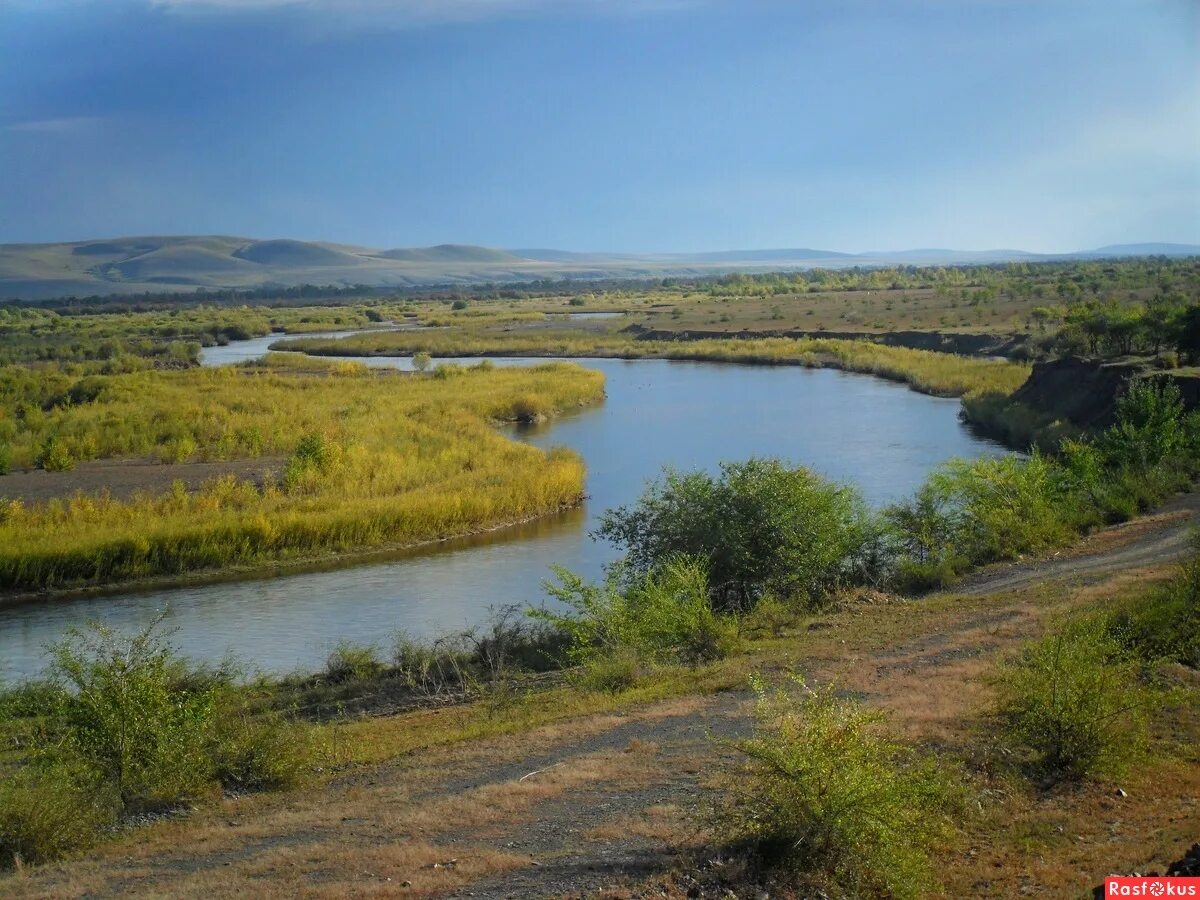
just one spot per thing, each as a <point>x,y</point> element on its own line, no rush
<point>877,434</point>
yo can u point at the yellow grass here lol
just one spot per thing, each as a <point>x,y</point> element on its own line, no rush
<point>402,459</point>
<point>943,374</point>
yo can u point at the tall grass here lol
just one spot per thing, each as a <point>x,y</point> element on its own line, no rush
<point>927,371</point>
<point>401,460</point>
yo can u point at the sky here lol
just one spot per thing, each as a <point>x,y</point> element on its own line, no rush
<point>604,125</point>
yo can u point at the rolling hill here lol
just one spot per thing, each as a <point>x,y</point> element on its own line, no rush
<point>134,265</point>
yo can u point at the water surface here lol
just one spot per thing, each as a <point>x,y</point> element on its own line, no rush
<point>874,433</point>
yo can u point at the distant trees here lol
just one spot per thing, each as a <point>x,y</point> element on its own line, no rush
<point>1166,322</point>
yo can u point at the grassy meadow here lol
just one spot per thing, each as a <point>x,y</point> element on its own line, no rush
<point>370,459</point>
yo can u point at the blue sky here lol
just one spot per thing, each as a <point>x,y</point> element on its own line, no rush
<point>641,125</point>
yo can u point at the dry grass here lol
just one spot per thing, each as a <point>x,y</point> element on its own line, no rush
<point>668,823</point>
<point>923,661</point>
<point>402,460</point>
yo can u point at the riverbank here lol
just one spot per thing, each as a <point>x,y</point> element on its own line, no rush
<point>322,562</point>
<point>487,797</point>
<point>927,371</point>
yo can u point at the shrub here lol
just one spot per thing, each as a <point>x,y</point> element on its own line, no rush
<point>915,576</point>
<point>314,456</point>
<point>612,673</point>
<point>1166,623</point>
<point>826,794</point>
<point>1016,424</point>
<point>1075,703</point>
<point>994,508</point>
<point>178,450</point>
<point>1150,425</point>
<point>770,616</point>
<point>258,751</point>
<point>44,815</point>
<point>760,526</point>
<point>124,716</point>
<point>446,371</point>
<point>56,456</point>
<point>433,669</point>
<point>664,617</point>
<point>350,662</point>
<point>5,457</point>
<point>478,659</point>
<point>529,408</point>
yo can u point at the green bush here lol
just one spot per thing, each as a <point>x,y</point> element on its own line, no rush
<point>258,750</point>
<point>914,576</point>
<point>664,617</point>
<point>45,814</point>
<point>124,716</point>
<point>1075,703</point>
<point>1016,424</point>
<point>827,796</point>
<point>1165,625</point>
<point>760,526</point>
<point>977,511</point>
<point>56,456</point>
<point>315,457</point>
<point>1150,426</point>
<point>770,616</point>
<point>611,673</point>
<point>5,457</point>
<point>350,662</point>
<point>124,727</point>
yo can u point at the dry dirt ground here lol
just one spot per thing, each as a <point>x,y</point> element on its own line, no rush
<point>607,805</point>
<point>123,478</point>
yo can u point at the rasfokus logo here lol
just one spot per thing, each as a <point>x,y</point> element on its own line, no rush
<point>1151,886</point>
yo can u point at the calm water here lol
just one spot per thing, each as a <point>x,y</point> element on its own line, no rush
<point>877,434</point>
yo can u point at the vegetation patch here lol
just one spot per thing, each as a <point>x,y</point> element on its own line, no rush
<point>1074,703</point>
<point>830,799</point>
<point>373,459</point>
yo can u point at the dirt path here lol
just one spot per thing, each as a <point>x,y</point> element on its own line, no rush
<point>1147,541</point>
<point>603,805</point>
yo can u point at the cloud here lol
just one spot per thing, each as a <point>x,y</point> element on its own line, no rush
<point>63,125</point>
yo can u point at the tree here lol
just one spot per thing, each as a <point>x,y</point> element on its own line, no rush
<point>760,526</point>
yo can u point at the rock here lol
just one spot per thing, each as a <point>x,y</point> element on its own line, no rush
<point>1189,866</point>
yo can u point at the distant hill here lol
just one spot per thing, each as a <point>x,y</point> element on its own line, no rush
<point>456,253</point>
<point>762,256</point>
<point>134,265</point>
<point>1145,250</point>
